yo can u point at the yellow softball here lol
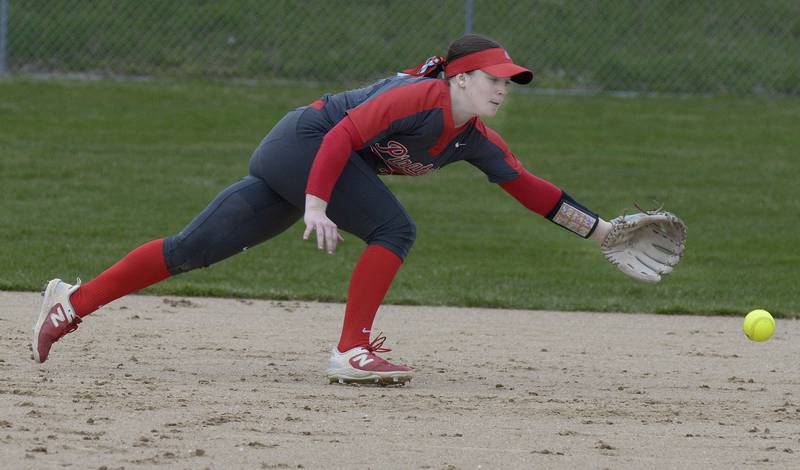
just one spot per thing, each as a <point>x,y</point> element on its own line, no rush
<point>758,325</point>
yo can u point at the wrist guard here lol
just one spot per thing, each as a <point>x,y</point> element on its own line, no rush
<point>573,216</point>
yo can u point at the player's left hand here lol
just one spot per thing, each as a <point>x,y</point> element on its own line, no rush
<point>646,246</point>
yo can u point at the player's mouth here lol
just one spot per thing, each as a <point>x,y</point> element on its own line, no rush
<point>496,103</point>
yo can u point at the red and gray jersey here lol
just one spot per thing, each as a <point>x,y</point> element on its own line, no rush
<point>405,126</point>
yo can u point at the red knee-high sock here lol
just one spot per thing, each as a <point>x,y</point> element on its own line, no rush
<point>371,279</point>
<point>142,267</point>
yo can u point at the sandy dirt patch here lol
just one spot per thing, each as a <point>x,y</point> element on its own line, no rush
<point>169,382</point>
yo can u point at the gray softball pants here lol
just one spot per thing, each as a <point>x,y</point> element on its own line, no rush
<point>272,198</point>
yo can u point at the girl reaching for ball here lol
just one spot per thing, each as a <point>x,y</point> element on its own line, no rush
<point>323,163</point>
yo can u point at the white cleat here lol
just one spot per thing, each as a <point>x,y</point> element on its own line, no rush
<point>362,365</point>
<point>56,318</point>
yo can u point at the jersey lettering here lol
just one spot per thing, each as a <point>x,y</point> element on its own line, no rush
<point>397,160</point>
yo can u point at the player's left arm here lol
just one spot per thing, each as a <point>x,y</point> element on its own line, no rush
<point>495,159</point>
<point>645,246</point>
<point>553,203</point>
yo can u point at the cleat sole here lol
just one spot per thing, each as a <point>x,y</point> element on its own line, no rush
<point>379,381</point>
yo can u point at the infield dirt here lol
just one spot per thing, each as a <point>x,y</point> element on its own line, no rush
<point>170,382</point>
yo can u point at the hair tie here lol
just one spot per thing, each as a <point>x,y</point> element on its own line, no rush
<point>432,67</point>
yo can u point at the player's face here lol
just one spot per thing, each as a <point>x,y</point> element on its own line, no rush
<point>486,93</point>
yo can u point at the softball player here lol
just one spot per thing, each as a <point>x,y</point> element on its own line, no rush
<point>322,162</point>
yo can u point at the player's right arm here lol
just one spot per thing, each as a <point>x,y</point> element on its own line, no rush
<point>332,156</point>
<point>388,113</point>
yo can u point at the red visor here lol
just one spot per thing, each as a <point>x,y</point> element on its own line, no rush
<point>495,61</point>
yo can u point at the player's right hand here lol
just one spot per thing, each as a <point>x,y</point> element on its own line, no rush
<point>317,220</point>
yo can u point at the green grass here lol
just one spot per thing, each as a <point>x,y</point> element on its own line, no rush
<point>712,46</point>
<point>91,169</point>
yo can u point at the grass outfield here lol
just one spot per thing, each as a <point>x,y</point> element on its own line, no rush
<point>91,169</point>
<point>713,46</point>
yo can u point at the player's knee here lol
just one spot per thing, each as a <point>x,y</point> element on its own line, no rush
<point>399,235</point>
<point>183,254</point>
<point>410,233</point>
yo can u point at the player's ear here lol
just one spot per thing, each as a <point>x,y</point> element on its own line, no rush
<point>461,79</point>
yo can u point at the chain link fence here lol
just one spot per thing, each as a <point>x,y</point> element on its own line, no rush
<point>684,46</point>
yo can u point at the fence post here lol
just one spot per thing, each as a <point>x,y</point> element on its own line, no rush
<point>467,16</point>
<point>3,36</point>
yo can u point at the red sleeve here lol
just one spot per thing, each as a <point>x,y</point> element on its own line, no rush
<point>537,194</point>
<point>395,107</point>
<point>332,156</point>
